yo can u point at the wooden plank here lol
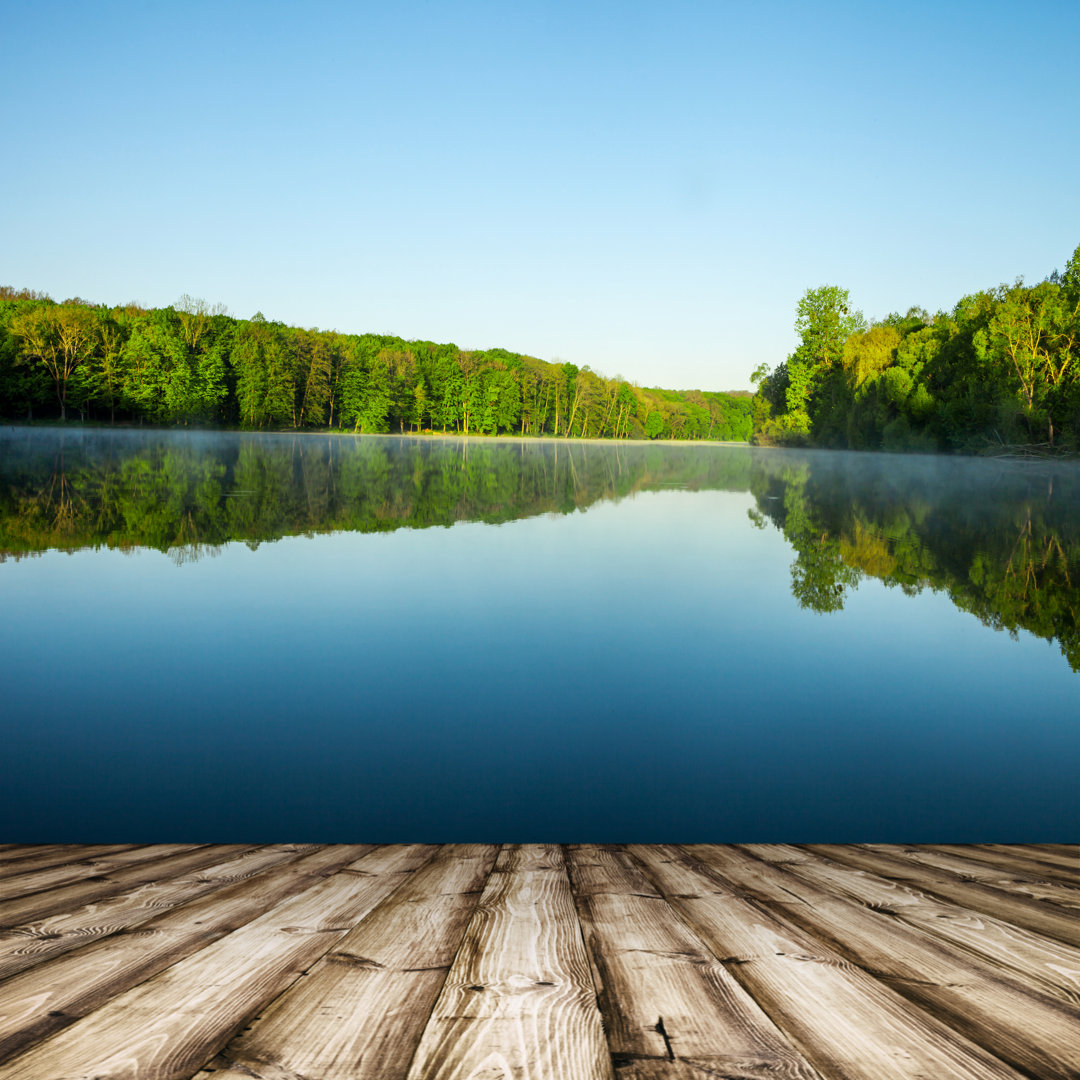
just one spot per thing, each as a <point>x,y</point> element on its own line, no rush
<point>847,1023</point>
<point>519,1000</point>
<point>914,869</point>
<point>1035,885</point>
<point>167,1027</point>
<point>68,862</point>
<point>1029,1029</point>
<point>1062,855</point>
<point>1063,867</point>
<point>1020,862</point>
<point>670,1008</point>
<point>32,943</point>
<point>1048,965</point>
<point>14,853</point>
<point>361,1010</point>
<point>23,909</point>
<point>45,999</point>
<point>68,872</point>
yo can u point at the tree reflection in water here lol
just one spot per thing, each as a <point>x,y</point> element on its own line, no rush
<point>1001,539</point>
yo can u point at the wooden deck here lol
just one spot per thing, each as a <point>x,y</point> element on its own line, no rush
<point>577,962</point>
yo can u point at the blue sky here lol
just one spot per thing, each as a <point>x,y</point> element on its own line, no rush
<point>643,188</point>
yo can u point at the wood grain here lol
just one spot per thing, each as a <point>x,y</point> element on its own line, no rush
<point>1030,1029</point>
<point>667,1002</point>
<point>1006,872</point>
<point>519,1002</point>
<point>1035,886</point>
<point>167,1027</point>
<point>60,869</point>
<point>1048,965</point>
<point>1064,867</point>
<point>20,910</point>
<point>470,962</point>
<point>54,995</point>
<point>360,1012</point>
<point>847,1023</point>
<point>23,946</point>
<point>21,858</point>
<point>1049,919</point>
<point>1072,850</point>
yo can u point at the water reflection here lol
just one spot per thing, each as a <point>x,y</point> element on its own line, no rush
<point>189,494</point>
<point>1001,539</point>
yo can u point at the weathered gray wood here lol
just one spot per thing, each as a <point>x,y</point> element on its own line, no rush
<point>1048,965</point>
<point>23,909</point>
<point>361,1010</point>
<point>847,1023</point>
<point>167,1027</point>
<point>668,1004</point>
<point>519,1000</point>
<point>24,946</point>
<point>1031,1030</point>
<point>914,868</point>
<point>55,994</point>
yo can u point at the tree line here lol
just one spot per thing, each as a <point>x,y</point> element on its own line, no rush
<point>1001,369</point>
<point>192,364</point>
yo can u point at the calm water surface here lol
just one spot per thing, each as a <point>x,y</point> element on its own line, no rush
<point>276,638</point>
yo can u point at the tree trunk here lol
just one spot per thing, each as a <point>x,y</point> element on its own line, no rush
<point>573,411</point>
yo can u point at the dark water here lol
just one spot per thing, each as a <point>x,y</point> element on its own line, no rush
<point>268,638</point>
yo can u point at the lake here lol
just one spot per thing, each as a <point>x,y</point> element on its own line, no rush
<point>270,638</point>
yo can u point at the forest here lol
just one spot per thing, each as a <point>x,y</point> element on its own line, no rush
<point>194,365</point>
<point>998,373</point>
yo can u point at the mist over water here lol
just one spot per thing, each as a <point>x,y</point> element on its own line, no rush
<point>279,638</point>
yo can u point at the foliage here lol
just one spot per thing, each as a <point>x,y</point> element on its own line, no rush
<point>999,370</point>
<point>192,364</point>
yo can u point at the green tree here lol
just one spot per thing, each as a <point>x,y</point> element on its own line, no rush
<point>58,336</point>
<point>824,320</point>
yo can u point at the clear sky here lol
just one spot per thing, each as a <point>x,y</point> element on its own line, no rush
<point>643,188</point>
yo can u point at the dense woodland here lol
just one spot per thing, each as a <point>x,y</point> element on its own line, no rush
<point>1001,539</point>
<point>194,365</point>
<point>1002,369</point>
